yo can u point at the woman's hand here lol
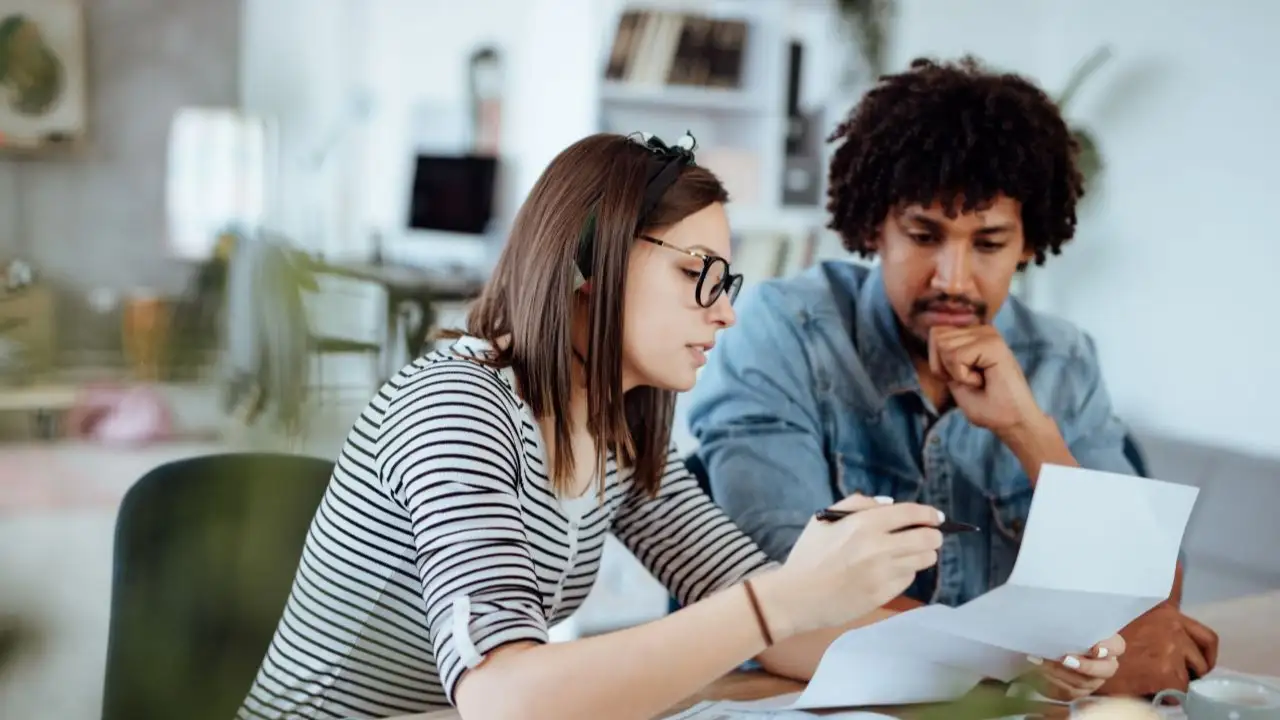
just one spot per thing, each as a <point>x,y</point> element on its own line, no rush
<point>842,570</point>
<point>1076,676</point>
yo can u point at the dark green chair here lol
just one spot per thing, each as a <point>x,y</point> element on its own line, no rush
<point>698,469</point>
<point>1133,453</point>
<point>205,554</point>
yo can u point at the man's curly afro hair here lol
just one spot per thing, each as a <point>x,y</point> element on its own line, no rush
<point>946,131</point>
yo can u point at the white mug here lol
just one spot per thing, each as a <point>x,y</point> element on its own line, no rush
<point>1225,698</point>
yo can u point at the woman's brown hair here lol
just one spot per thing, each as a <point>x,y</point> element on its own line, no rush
<point>526,308</point>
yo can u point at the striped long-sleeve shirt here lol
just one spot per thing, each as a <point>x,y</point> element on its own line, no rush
<point>440,539</point>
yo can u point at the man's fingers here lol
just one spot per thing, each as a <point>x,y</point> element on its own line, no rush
<point>935,363</point>
<point>957,354</point>
<point>963,373</point>
<point>1204,637</point>
<point>1197,664</point>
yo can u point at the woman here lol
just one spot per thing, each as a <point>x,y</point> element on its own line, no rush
<point>468,510</point>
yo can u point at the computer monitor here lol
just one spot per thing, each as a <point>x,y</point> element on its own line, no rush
<point>453,193</point>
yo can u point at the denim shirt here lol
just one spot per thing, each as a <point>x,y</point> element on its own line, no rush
<point>811,397</point>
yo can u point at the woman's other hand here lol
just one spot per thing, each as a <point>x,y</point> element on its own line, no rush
<point>1076,676</point>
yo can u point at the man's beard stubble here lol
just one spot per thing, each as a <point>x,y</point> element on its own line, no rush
<point>916,344</point>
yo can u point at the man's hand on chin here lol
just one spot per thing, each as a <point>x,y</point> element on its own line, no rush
<point>1166,649</point>
<point>982,376</point>
<point>989,387</point>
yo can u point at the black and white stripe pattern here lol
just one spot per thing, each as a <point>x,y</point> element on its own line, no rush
<point>439,539</point>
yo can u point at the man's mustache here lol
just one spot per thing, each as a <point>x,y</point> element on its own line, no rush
<point>945,302</point>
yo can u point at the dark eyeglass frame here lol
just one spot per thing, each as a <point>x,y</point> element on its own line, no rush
<point>728,280</point>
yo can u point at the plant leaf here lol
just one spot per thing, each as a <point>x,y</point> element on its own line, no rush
<point>1089,158</point>
<point>1081,73</point>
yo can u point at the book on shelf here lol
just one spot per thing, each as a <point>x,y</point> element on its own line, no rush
<point>763,254</point>
<point>661,47</point>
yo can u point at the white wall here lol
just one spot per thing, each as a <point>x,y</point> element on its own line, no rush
<point>417,70</point>
<point>306,63</point>
<point>1172,255</point>
<point>309,63</point>
<point>301,65</point>
<point>1173,262</point>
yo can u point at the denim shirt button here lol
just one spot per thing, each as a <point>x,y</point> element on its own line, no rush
<point>1016,525</point>
<point>935,440</point>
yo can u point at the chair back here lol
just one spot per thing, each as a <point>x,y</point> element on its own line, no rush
<point>205,554</point>
<point>1133,453</point>
<point>698,469</point>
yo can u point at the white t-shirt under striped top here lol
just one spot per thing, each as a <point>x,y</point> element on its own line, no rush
<point>439,539</point>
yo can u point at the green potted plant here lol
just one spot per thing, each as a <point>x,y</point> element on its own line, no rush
<point>15,637</point>
<point>1089,158</point>
<point>868,22</point>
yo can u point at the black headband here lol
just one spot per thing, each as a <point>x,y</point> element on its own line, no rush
<point>664,169</point>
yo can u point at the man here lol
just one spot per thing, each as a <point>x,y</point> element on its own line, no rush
<point>922,379</point>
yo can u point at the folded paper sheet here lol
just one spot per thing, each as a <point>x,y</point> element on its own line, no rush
<point>1099,550</point>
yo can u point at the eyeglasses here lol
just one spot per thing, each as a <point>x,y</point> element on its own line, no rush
<point>715,278</point>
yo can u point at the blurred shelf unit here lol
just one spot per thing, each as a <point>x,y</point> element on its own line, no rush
<point>723,70</point>
<point>674,97</point>
<point>654,47</point>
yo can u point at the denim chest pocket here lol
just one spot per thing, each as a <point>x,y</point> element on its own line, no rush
<point>869,453</point>
<point>870,466</point>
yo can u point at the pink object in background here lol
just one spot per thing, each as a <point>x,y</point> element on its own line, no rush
<point>121,416</point>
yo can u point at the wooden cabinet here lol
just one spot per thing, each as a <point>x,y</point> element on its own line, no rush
<point>27,319</point>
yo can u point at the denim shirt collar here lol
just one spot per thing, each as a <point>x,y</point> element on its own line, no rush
<point>876,332</point>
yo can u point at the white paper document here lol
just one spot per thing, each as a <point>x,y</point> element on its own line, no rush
<point>1099,550</point>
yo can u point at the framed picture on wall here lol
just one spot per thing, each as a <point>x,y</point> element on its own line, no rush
<point>43,95</point>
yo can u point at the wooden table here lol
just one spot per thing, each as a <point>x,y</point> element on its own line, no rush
<point>46,403</point>
<point>407,279</point>
<point>739,685</point>
<point>1249,629</point>
<point>744,685</point>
